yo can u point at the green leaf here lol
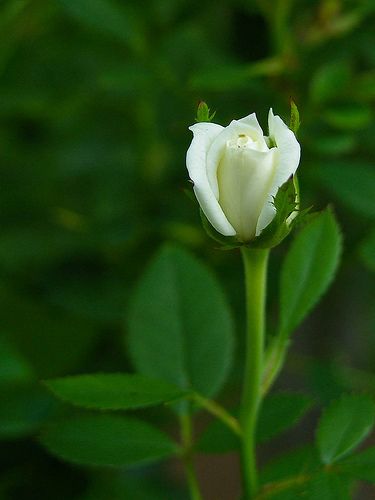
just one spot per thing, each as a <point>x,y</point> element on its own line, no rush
<point>117,391</point>
<point>23,410</point>
<point>359,466</point>
<point>352,183</point>
<point>107,440</point>
<point>106,17</point>
<point>180,327</point>
<point>308,269</point>
<point>279,412</point>
<point>343,426</point>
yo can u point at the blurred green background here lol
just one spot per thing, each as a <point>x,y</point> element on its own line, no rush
<point>95,100</point>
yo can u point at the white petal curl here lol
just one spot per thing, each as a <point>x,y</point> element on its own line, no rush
<point>289,157</point>
<point>252,120</point>
<point>196,162</point>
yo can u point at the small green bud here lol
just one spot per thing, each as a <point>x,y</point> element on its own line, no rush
<point>203,113</point>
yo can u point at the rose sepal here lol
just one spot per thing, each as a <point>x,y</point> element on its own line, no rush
<point>288,213</point>
<point>225,242</point>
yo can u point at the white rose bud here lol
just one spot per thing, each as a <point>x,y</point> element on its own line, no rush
<point>237,171</point>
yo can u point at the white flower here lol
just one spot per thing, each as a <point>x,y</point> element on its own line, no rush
<point>237,171</point>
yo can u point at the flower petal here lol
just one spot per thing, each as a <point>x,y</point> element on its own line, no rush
<point>196,162</point>
<point>252,121</point>
<point>219,144</point>
<point>244,177</point>
<point>289,156</point>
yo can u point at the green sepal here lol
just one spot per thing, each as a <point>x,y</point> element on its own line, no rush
<point>286,202</point>
<point>203,113</point>
<point>295,121</point>
<point>226,242</point>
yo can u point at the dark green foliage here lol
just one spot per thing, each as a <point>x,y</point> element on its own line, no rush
<point>59,341</point>
<point>322,486</point>
<point>119,485</point>
<point>321,472</point>
<point>360,465</point>
<point>301,461</point>
<point>352,183</point>
<point>96,97</point>
<point>24,409</point>
<point>13,367</point>
<point>279,412</point>
<point>218,438</point>
<point>367,250</point>
<point>104,16</point>
<point>326,486</point>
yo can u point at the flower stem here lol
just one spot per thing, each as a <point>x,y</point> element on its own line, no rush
<point>187,441</point>
<point>219,412</point>
<point>255,266</point>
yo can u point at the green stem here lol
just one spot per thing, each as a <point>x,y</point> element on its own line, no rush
<point>271,489</point>
<point>255,266</point>
<point>219,412</point>
<point>187,441</point>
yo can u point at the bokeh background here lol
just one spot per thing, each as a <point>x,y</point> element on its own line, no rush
<point>95,100</point>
